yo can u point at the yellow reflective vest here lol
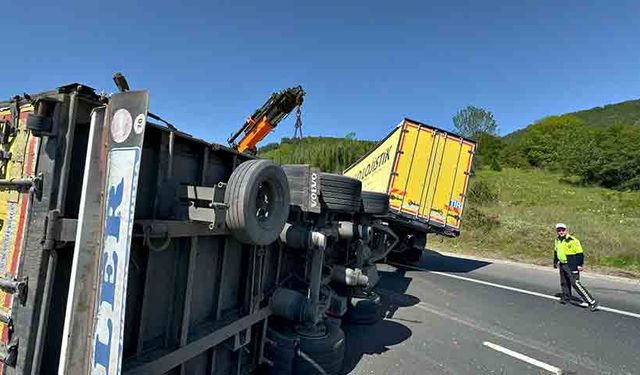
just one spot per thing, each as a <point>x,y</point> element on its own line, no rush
<point>567,248</point>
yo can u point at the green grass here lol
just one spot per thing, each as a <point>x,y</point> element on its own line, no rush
<point>511,215</point>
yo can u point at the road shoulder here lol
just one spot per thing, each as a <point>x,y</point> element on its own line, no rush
<point>588,274</point>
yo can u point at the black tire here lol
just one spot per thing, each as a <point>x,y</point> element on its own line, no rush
<point>281,351</point>
<point>339,193</point>
<point>326,351</point>
<point>375,203</point>
<point>412,255</point>
<point>364,308</point>
<point>258,198</point>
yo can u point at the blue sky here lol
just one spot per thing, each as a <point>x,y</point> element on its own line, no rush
<point>364,64</point>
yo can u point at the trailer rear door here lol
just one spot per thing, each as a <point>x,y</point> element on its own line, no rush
<point>430,175</point>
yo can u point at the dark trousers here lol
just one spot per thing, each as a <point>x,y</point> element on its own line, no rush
<point>569,279</point>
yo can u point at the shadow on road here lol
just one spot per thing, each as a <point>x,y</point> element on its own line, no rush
<point>434,261</point>
<point>373,339</point>
<point>378,338</point>
<point>392,289</point>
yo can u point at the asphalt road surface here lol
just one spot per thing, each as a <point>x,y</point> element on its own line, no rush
<point>450,315</point>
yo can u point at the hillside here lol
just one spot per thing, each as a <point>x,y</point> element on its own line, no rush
<point>598,146</point>
<point>327,153</point>
<point>510,215</point>
<point>623,113</point>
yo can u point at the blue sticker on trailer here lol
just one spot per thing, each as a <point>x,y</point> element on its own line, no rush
<point>123,166</point>
<point>455,204</point>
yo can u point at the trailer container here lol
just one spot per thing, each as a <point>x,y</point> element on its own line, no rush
<point>425,171</point>
<point>130,247</point>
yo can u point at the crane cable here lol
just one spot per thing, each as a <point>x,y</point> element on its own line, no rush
<point>297,134</point>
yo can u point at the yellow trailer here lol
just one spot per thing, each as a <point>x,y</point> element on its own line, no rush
<point>425,171</point>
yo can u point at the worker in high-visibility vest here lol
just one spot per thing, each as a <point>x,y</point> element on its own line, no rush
<point>568,257</point>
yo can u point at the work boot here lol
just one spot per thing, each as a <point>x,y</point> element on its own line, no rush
<point>564,299</point>
<point>593,306</point>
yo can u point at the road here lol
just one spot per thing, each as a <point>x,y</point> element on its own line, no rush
<point>451,315</point>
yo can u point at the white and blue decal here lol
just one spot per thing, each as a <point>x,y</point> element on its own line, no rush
<point>123,165</point>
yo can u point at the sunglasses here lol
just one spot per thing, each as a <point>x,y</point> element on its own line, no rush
<point>561,230</point>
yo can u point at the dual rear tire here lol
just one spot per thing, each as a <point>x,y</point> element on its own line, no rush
<point>295,353</point>
<point>339,193</point>
<point>364,308</point>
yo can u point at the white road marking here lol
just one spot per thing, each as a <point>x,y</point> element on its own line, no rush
<point>513,289</point>
<point>522,357</point>
<point>542,347</point>
<point>616,311</point>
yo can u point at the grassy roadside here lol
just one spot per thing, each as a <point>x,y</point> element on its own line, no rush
<point>510,215</point>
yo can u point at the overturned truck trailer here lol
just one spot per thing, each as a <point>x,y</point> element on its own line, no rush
<point>131,247</point>
<point>425,171</point>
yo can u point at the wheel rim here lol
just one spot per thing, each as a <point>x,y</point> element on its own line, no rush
<point>265,201</point>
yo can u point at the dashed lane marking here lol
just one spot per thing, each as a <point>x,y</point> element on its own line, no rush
<point>524,358</point>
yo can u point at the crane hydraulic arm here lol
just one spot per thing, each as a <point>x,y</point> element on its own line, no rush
<point>267,117</point>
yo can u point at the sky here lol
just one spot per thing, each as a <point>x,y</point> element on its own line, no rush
<point>365,65</point>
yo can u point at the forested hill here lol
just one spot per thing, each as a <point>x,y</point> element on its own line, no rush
<point>623,113</point>
<point>326,153</point>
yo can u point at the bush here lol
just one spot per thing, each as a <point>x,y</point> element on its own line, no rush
<point>609,157</point>
<point>481,193</point>
<point>512,156</point>
<point>548,142</point>
<point>632,184</point>
<point>489,148</point>
<point>477,219</point>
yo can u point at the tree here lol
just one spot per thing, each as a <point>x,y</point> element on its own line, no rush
<point>489,151</point>
<point>552,141</point>
<point>471,121</point>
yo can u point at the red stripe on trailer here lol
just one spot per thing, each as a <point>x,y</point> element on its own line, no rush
<point>17,244</point>
<point>23,207</point>
<point>436,219</point>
